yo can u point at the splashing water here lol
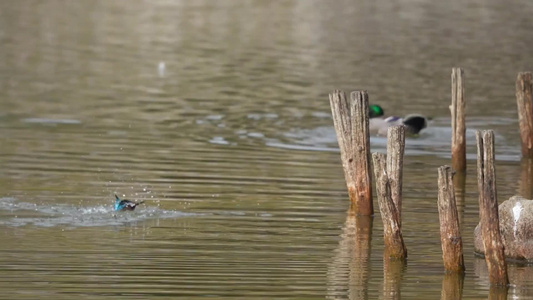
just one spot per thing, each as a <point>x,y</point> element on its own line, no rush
<point>15,213</point>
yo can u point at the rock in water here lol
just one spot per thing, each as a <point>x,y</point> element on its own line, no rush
<point>516,229</point>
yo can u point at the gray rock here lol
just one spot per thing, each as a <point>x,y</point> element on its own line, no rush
<point>516,229</point>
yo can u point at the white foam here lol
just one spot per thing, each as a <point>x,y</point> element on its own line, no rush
<point>14,213</point>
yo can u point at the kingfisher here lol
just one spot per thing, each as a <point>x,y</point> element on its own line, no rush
<point>125,204</point>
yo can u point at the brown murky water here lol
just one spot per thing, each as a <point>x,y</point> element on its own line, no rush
<point>216,114</point>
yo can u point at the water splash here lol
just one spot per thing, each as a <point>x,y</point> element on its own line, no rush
<point>161,69</point>
<point>15,213</point>
<point>50,121</point>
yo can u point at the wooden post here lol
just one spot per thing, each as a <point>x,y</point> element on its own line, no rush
<point>459,184</point>
<point>488,208</point>
<point>392,233</point>
<point>450,234</point>
<point>395,151</point>
<point>458,121</point>
<point>524,102</point>
<point>351,124</point>
<point>526,178</point>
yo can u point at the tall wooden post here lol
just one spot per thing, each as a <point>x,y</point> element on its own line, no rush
<point>395,152</point>
<point>524,102</point>
<point>392,233</point>
<point>488,209</point>
<point>458,121</point>
<point>450,233</point>
<point>352,127</point>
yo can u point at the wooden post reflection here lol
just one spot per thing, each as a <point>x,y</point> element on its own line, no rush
<point>353,253</point>
<point>452,286</point>
<point>498,292</point>
<point>495,291</point>
<point>392,276</point>
<point>526,178</point>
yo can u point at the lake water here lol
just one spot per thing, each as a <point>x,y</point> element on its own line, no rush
<point>216,113</point>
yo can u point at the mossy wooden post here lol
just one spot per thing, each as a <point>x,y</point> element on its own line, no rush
<point>450,234</point>
<point>351,124</point>
<point>395,151</point>
<point>524,102</point>
<point>488,208</point>
<point>392,233</point>
<point>458,121</point>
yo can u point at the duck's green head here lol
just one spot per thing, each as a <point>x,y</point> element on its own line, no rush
<point>375,111</point>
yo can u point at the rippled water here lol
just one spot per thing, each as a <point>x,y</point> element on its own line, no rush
<point>216,114</point>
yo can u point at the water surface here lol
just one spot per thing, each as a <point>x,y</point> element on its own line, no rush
<point>216,113</point>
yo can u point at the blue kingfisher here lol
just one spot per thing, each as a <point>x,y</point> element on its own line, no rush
<point>125,204</point>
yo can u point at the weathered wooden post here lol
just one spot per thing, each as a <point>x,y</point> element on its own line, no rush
<point>488,209</point>
<point>524,87</point>
<point>395,152</point>
<point>458,121</point>
<point>526,178</point>
<point>450,234</point>
<point>351,124</point>
<point>392,233</point>
<point>459,184</point>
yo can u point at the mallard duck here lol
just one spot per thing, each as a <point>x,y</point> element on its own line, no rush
<point>413,123</point>
<point>125,204</point>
